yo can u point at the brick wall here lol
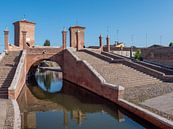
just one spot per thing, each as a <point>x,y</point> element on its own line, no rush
<point>161,55</point>
<point>24,26</point>
<point>83,74</point>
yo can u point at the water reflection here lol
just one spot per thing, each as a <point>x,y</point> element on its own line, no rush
<point>72,107</point>
<point>49,81</point>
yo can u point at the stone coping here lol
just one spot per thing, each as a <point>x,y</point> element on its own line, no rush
<point>46,47</point>
<point>17,116</point>
<point>17,73</point>
<point>153,118</point>
<point>103,57</point>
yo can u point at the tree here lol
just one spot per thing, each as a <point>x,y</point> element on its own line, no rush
<point>138,55</point>
<point>171,44</point>
<point>47,43</point>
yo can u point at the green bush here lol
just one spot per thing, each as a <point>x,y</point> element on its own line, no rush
<point>171,44</point>
<point>47,43</point>
<point>138,55</point>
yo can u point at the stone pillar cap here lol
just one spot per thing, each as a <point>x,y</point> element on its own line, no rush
<point>24,31</point>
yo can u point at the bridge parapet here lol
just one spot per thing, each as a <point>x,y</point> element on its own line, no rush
<point>83,74</point>
<point>44,50</point>
<point>28,58</point>
<point>19,78</point>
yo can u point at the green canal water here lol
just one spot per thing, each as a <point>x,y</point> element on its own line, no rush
<point>48,102</point>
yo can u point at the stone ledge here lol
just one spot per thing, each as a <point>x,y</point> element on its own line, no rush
<point>103,57</point>
<point>151,117</point>
<point>17,117</point>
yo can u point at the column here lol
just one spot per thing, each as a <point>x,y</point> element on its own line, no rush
<point>100,41</point>
<point>6,36</point>
<point>24,39</point>
<point>108,43</point>
<point>64,39</point>
<point>77,40</point>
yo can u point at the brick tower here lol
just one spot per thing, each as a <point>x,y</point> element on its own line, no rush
<point>77,37</point>
<point>27,26</point>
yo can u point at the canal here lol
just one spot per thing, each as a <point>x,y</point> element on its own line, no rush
<point>49,102</point>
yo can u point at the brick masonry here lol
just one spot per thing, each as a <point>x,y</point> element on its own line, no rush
<point>73,36</point>
<point>160,55</point>
<point>24,25</point>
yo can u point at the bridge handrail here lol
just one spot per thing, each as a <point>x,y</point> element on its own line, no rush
<point>17,73</point>
<point>142,68</point>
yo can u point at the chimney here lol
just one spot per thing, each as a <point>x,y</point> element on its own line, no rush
<point>6,36</point>
<point>108,43</point>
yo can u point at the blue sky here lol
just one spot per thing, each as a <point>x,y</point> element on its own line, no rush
<point>132,18</point>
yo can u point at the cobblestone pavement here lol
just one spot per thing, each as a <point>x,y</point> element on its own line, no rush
<point>6,114</point>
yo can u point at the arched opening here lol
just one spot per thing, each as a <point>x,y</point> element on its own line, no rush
<point>47,75</point>
<point>28,44</point>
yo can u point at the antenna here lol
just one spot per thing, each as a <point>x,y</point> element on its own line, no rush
<point>107,30</point>
<point>146,36</point>
<point>160,39</point>
<point>132,38</point>
<point>117,31</point>
<point>76,21</point>
<point>24,17</point>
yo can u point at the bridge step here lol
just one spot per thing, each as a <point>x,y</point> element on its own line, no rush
<point>8,67</point>
<point>117,73</point>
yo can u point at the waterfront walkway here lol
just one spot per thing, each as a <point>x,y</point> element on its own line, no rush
<point>163,103</point>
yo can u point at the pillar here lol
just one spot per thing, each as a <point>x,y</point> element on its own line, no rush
<point>64,39</point>
<point>73,41</point>
<point>131,52</point>
<point>100,41</point>
<point>24,39</point>
<point>108,43</point>
<point>6,36</point>
<point>77,40</point>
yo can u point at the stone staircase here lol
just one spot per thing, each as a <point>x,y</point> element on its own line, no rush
<point>117,73</point>
<point>8,67</point>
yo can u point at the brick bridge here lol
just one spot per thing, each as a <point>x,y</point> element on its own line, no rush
<point>114,77</point>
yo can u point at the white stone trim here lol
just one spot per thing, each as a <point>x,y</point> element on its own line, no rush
<point>18,72</point>
<point>17,116</point>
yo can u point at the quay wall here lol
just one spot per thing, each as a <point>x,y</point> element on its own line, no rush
<point>151,117</point>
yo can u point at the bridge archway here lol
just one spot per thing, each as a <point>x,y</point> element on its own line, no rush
<point>33,58</point>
